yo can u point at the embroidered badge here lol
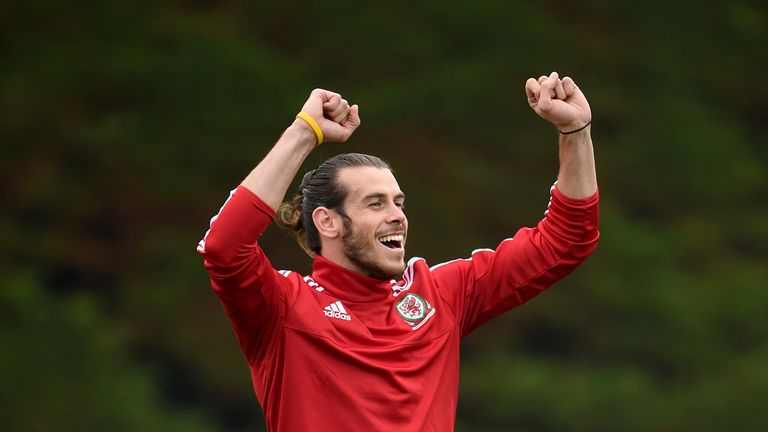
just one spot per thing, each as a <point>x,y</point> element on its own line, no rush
<point>414,310</point>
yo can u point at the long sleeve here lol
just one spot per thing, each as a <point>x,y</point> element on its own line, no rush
<point>241,275</point>
<point>494,281</point>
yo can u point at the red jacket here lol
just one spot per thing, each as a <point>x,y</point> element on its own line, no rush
<point>339,351</point>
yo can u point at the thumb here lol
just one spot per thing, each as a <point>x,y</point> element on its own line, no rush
<point>532,90</point>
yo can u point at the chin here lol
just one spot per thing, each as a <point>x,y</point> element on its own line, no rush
<point>375,260</point>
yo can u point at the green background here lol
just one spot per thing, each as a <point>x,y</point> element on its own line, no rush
<point>124,125</point>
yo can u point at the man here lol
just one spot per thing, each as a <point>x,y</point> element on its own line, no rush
<point>368,342</point>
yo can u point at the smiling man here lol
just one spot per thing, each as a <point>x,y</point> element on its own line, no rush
<point>364,227</point>
<point>367,342</point>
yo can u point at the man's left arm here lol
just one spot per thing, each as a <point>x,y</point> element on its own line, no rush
<point>493,281</point>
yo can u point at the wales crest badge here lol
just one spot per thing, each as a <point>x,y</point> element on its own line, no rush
<point>414,310</point>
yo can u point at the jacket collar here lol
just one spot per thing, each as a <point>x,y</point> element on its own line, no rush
<point>349,285</point>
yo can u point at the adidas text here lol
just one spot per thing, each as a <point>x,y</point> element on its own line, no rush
<point>336,310</point>
<point>339,315</point>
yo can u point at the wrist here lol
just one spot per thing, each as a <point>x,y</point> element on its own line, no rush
<point>574,128</point>
<point>300,132</point>
<point>581,135</point>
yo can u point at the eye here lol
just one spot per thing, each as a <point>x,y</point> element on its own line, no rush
<point>374,205</point>
<point>401,205</point>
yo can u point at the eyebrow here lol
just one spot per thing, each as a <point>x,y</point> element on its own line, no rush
<point>382,195</point>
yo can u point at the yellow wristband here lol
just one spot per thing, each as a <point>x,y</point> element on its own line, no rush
<point>313,124</point>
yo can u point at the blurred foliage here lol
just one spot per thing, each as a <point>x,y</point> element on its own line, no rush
<point>123,125</point>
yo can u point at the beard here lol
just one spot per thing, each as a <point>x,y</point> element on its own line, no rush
<point>359,250</point>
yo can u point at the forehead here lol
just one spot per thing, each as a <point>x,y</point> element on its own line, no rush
<point>363,181</point>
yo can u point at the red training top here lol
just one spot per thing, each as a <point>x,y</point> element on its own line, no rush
<point>338,350</point>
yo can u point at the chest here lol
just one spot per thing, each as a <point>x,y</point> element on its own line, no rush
<point>413,316</point>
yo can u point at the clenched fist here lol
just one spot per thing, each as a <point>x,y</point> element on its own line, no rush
<point>558,101</point>
<point>336,118</point>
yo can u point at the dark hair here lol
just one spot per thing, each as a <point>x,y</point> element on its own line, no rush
<point>320,187</point>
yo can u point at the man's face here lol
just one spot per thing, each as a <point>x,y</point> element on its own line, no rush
<point>375,228</point>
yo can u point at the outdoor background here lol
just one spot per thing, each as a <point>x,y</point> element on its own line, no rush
<point>123,126</point>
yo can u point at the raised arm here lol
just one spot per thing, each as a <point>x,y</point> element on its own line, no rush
<point>337,121</point>
<point>241,275</point>
<point>522,266</point>
<point>563,104</point>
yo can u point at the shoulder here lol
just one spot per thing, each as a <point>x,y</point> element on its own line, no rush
<point>295,278</point>
<point>294,283</point>
<point>418,268</point>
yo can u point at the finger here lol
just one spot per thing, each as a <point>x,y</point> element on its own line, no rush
<point>340,115</point>
<point>547,93</point>
<point>542,78</point>
<point>332,103</point>
<point>324,95</point>
<point>569,86</point>
<point>341,111</point>
<point>314,104</point>
<point>555,80</point>
<point>532,90</point>
<point>344,106</point>
<point>559,90</point>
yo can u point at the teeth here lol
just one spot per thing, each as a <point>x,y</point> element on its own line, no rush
<point>391,238</point>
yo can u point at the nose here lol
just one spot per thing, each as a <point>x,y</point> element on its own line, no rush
<point>396,214</point>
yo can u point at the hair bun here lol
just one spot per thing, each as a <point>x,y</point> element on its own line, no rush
<point>289,215</point>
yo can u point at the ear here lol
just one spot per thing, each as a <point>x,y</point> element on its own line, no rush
<point>327,222</point>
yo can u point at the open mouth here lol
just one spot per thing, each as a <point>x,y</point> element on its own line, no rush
<point>392,241</point>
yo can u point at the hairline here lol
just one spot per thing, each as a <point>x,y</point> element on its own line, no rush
<point>346,190</point>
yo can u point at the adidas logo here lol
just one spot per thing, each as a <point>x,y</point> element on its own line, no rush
<point>336,310</point>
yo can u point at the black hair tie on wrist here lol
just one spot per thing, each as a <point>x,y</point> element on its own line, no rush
<point>576,130</point>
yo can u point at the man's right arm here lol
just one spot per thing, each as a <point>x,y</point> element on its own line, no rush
<point>241,275</point>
